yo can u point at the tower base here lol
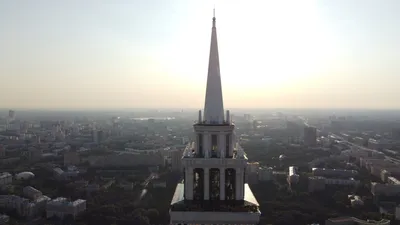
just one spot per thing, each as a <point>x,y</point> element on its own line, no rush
<point>214,212</point>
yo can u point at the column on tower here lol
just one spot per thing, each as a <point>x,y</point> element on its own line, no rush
<point>232,142</point>
<point>199,145</point>
<point>228,138</point>
<point>206,144</point>
<point>189,183</point>
<point>206,183</point>
<point>221,144</point>
<point>222,183</point>
<point>238,183</point>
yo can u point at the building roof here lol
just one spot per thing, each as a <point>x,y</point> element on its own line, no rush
<point>65,201</point>
<point>358,221</point>
<point>179,194</point>
<point>4,175</point>
<point>214,106</point>
<point>30,188</point>
<point>59,171</point>
<point>25,175</point>
<point>42,199</point>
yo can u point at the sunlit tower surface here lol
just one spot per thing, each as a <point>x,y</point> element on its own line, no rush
<point>214,189</point>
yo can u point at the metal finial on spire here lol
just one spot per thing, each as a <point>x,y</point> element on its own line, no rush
<point>214,12</point>
<point>214,17</point>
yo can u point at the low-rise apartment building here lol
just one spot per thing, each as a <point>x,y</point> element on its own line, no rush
<point>23,206</point>
<point>61,207</point>
<point>385,189</point>
<point>31,192</point>
<point>318,183</point>
<point>334,172</point>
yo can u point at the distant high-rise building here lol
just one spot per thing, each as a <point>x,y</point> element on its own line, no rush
<point>185,140</point>
<point>2,151</point>
<point>255,124</point>
<point>310,136</point>
<point>293,131</point>
<point>396,133</point>
<point>11,115</point>
<point>34,154</point>
<point>214,189</point>
<point>97,136</point>
<point>71,158</point>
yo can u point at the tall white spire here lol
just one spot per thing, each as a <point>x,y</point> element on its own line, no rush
<point>214,105</point>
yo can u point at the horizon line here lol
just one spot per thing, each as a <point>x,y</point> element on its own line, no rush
<point>192,108</point>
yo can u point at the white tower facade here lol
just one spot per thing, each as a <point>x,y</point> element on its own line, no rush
<point>214,189</point>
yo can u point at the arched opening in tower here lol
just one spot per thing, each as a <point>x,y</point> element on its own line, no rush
<point>214,146</point>
<point>214,184</point>
<point>198,184</point>
<point>230,184</point>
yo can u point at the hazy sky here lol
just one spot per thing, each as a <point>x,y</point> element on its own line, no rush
<point>154,53</point>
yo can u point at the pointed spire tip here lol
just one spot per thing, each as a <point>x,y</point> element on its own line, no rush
<point>214,105</point>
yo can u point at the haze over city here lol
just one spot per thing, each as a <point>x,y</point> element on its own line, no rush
<point>154,54</point>
<point>199,112</point>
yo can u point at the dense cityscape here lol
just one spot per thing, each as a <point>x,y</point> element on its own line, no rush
<point>120,167</point>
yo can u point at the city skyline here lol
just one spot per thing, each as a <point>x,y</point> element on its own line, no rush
<point>143,54</point>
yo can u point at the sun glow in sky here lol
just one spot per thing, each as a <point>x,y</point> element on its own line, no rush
<point>154,53</point>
